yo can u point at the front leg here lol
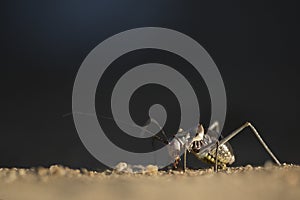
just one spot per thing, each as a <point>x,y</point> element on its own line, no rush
<point>217,151</point>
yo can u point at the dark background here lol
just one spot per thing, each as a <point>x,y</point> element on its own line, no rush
<point>255,45</point>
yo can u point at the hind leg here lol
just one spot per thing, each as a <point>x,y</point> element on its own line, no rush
<point>254,131</point>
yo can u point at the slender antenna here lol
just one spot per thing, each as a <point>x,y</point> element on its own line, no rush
<point>160,128</point>
<point>165,141</point>
<point>110,118</point>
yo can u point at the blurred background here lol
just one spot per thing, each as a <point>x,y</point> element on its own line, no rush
<point>255,45</point>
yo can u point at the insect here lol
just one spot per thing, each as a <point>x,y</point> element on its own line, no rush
<point>208,146</point>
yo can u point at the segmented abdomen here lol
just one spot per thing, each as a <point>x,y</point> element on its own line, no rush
<point>225,155</point>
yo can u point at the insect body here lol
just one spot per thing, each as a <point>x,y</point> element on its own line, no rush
<point>223,157</point>
<point>208,147</point>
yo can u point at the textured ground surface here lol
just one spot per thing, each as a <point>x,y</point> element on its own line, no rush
<point>57,182</point>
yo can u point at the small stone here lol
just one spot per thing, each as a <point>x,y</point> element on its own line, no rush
<point>84,171</point>
<point>121,167</point>
<point>151,169</point>
<point>210,170</point>
<point>136,169</point>
<point>248,167</point>
<point>57,170</point>
<point>107,172</point>
<point>228,170</point>
<point>22,172</point>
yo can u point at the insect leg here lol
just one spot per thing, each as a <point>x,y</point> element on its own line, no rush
<point>217,151</point>
<point>184,159</point>
<point>248,124</point>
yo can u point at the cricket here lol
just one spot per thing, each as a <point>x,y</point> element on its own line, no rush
<point>209,146</point>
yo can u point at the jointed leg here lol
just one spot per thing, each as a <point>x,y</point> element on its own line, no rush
<point>184,159</point>
<point>216,162</point>
<point>248,124</point>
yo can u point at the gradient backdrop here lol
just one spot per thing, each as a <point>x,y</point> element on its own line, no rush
<point>255,45</point>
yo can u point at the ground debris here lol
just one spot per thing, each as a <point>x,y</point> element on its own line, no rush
<point>43,173</point>
<point>123,167</point>
<point>133,182</point>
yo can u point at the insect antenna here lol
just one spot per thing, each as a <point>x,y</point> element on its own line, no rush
<point>126,123</point>
<point>163,139</point>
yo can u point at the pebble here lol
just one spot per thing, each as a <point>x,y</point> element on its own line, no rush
<point>22,172</point>
<point>10,175</point>
<point>151,170</point>
<point>248,167</point>
<point>121,167</point>
<point>107,172</point>
<point>85,171</point>
<point>57,170</point>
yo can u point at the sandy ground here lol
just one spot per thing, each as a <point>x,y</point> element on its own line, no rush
<point>56,182</point>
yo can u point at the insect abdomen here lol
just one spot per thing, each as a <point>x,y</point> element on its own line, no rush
<point>225,156</point>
